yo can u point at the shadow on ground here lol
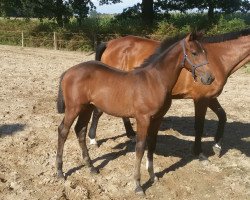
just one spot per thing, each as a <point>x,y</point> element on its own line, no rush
<point>10,129</point>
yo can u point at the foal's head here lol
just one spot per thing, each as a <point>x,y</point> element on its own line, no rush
<point>195,58</point>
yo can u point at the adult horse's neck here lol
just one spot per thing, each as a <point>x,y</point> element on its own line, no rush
<point>230,55</point>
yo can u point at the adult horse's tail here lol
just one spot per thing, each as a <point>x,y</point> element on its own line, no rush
<point>99,50</point>
<point>60,99</point>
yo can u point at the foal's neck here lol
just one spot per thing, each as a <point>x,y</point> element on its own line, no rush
<point>167,69</point>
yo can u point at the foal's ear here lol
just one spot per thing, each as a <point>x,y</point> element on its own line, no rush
<point>197,35</point>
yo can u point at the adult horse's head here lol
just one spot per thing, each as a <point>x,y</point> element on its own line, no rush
<point>195,58</point>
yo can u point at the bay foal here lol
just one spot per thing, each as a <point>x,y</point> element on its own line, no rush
<point>144,94</point>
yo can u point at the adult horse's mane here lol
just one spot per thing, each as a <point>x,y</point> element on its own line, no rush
<point>166,45</point>
<point>226,36</point>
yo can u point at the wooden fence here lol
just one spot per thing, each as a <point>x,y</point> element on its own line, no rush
<point>56,40</point>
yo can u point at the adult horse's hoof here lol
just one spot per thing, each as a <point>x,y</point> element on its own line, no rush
<point>139,191</point>
<point>217,149</point>
<point>93,170</point>
<point>93,142</point>
<point>202,157</point>
<point>154,179</point>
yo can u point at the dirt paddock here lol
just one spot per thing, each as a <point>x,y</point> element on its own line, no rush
<point>28,140</point>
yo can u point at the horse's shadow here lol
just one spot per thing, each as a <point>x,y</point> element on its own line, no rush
<point>123,149</point>
<point>10,129</point>
<point>169,145</point>
<point>235,134</point>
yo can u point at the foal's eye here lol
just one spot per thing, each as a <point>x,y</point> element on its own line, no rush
<point>194,53</point>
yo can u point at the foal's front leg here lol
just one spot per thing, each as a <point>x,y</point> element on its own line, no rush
<point>142,130</point>
<point>151,143</point>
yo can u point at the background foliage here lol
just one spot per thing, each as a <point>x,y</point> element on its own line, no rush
<point>80,27</point>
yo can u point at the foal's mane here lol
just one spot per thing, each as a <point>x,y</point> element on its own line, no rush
<point>226,36</point>
<point>166,45</point>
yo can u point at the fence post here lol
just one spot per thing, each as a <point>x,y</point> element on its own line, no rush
<point>95,41</point>
<point>55,41</point>
<point>22,39</point>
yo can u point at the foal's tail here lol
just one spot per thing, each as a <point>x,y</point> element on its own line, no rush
<point>60,99</point>
<point>99,50</point>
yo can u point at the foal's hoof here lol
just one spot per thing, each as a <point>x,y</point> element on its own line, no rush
<point>202,157</point>
<point>139,191</point>
<point>60,175</point>
<point>217,149</point>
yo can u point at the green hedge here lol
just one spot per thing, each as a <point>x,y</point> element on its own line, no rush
<point>105,27</point>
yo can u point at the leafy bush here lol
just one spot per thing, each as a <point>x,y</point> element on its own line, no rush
<point>98,28</point>
<point>225,26</point>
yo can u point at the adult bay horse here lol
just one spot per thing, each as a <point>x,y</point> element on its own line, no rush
<point>226,53</point>
<point>144,94</point>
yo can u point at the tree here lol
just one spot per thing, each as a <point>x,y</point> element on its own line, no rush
<point>11,8</point>
<point>211,6</point>
<point>39,9</point>
<point>147,11</point>
<point>81,8</point>
<point>58,9</point>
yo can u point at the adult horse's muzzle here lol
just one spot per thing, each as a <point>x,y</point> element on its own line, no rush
<point>207,79</point>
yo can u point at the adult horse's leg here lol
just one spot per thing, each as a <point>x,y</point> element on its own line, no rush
<point>151,143</point>
<point>81,130</point>
<point>128,127</point>
<point>200,112</point>
<point>215,106</point>
<point>63,131</point>
<point>92,131</point>
<point>142,129</point>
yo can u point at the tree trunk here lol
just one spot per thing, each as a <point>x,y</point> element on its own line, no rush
<point>59,12</point>
<point>210,13</point>
<point>147,11</point>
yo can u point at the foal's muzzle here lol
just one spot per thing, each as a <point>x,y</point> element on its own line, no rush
<point>207,78</point>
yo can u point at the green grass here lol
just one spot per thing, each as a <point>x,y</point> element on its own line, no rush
<point>247,68</point>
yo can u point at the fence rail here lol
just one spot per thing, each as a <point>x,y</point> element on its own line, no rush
<point>58,40</point>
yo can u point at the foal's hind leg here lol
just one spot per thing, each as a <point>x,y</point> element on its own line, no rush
<point>63,131</point>
<point>215,106</point>
<point>92,131</point>
<point>81,130</point>
<point>129,129</point>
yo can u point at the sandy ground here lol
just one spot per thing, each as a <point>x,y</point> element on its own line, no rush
<point>28,140</point>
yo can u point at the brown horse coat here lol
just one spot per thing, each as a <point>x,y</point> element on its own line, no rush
<point>226,53</point>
